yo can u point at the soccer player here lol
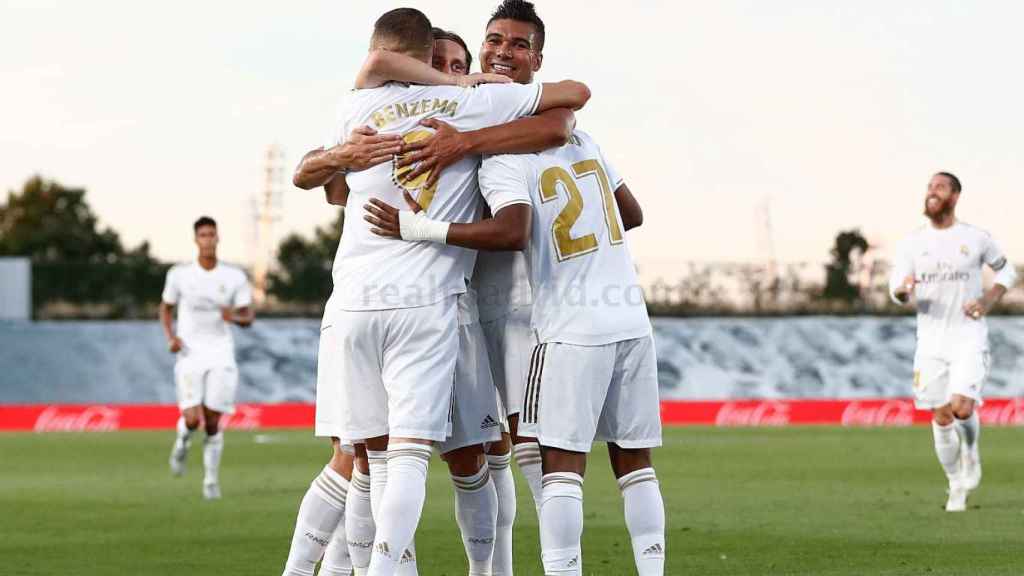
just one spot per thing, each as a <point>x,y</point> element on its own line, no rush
<point>593,374</point>
<point>391,323</point>
<point>939,267</point>
<point>209,297</point>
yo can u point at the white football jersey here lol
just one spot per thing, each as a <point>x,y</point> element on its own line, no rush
<point>199,295</point>
<point>947,265</point>
<point>585,287</point>
<point>376,273</point>
<point>502,282</point>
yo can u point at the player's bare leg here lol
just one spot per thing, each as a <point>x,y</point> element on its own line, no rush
<point>643,506</point>
<point>561,511</point>
<point>947,449</point>
<point>965,417</point>
<point>359,524</point>
<point>213,447</point>
<point>400,503</point>
<point>499,457</point>
<point>188,423</point>
<point>320,523</point>
<point>476,505</point>
<point>526,452</point>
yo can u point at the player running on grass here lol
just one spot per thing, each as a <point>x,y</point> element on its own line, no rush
<point>939,266</point>
<point>209,297</point>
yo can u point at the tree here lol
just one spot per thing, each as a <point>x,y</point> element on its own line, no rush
<point>304,265</point>
<point>50,223</point>
<point>73,259</point>
<point>837,273</point>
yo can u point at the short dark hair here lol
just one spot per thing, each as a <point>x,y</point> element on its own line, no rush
<point>954,181</point>
<point>405,30</point>
<point>203,221</point>
<point>521,11</point>
<point>440,34</point>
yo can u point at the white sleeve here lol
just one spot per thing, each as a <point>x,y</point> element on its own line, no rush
<point>501,103</point>
<point>243,293</point>
<point>171,292</point>
<point>902,266</point>
<point>503,181</point>
<point>1006,274</point>
<point>614,178</point>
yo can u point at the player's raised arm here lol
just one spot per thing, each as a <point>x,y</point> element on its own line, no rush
<point>565,94</point>
<point>383,66</point>
<point>364,148</point>
<point>549,129</point>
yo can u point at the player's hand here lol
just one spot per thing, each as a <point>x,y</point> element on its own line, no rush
<point>468,80</point>
<point>365,148</point>
<point>175,345</point>
<point>384,217</point>
<point>975,309</point>
<point>227,314</point>
<point>906,288</point>
<point>446,147</point>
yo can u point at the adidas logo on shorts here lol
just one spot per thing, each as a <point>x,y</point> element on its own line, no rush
<point>488,422</point>
<point>407,557</point>
<point>655,550</point>
<point>574,562</point>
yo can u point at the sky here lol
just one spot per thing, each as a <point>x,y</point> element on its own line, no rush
<point>815,115</point>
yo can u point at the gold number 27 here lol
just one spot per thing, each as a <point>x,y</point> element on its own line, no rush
<point>566,245</point>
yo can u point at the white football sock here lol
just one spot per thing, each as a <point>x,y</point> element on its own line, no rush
<point>970,430</point>
<point>213,446</point>
<point>181,442</point>
<point>359,526</point>
<point>561,524</point>
<point>320,513</point>
<point>947,448</point>
<point>400,508</point>
<point>527,456</point>
<point>378,478</point>
<point>476,511</point>
<point>645,520</point>
<point>505,487</point>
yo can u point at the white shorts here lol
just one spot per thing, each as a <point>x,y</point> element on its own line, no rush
<point>386,372</point>
<point>207,384</point>
<point>510,343</point>
<point>475,418</point>
<point>937,378</point>
<point>578,394</point>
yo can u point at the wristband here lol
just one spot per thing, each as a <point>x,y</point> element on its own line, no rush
<point>415,227</point>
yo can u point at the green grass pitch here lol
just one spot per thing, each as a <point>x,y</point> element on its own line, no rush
<point>822,501</point>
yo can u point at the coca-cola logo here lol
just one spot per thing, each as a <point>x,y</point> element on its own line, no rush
<point>888,413</point>
<point>246,417</point>
<point>753,414</point>
<point>1010,413</point>
<point>90,419</point>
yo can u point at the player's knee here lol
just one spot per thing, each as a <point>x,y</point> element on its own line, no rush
<point>501,447</point>
<point>212,426</point>
<point>943,416</point>
<point>627,460</point>
<point>963,411</point>
<point>556,460</point>
<point>192,422</point>
<point>465,461</point>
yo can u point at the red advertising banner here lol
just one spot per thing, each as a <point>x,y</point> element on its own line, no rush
<point>882,412</point>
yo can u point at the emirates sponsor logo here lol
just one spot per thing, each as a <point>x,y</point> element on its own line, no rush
<point>753,414</point>
<point>88,419</point>
<point>246,417</point>
<point>889,413</point>
<point>1010,413</point>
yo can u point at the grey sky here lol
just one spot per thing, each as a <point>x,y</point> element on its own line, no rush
<point>836,111</point>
